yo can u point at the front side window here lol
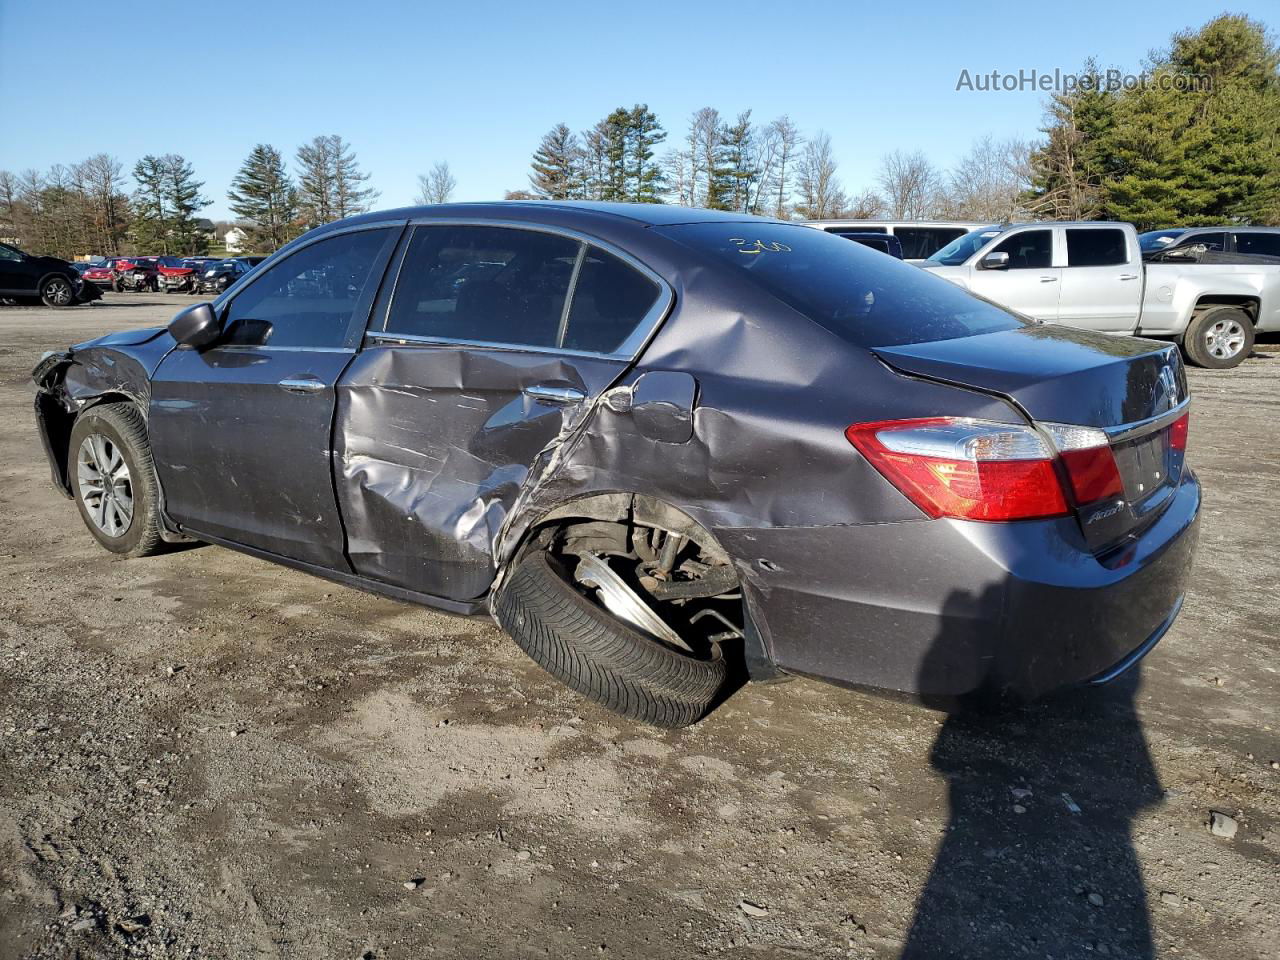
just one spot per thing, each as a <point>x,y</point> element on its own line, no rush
<point>1095,247</point>
<point>307,299</point>
<point>1258,244</point>
<point>1028,250</point>
<point>860,295</point>
<point>964,246</point>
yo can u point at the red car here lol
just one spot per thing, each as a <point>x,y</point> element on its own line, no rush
<point>100,274</point>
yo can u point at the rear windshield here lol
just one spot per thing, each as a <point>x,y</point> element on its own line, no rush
<point>861,295</point>
<point>965,246</point>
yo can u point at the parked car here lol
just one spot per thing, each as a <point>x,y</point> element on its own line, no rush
<point>660,447</point>
<point>51,280</point>
<point>179,275</point>
<point>884,242</point>
<point>1242,241</point>
<point>1092,275</point>
<point>138,274</point>
<point>217,276</point>
<point>919,238</point>
<point>102,274</point>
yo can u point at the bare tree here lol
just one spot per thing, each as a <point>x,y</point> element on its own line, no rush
<point>704,140</point>
<point>989,181</point>
<point>821,196</point>
<point>778,144</point>
<point>911,185</point>
<point>438,185</point>
<point>868,205</point>
<point>676,171</point>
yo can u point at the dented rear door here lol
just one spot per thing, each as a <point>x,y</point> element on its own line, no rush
<point>490,352</point>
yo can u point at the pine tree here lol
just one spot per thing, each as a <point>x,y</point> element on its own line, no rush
<point>643,174</point>
<point>738,164</point>
<point>350,196</point>
<point>265,200</point>
<point>315,182</point>
<point>184,200</point>
<point>151,213</point>
<point>556,165</point>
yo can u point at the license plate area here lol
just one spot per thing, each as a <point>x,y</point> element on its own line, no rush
<point>1146,465</point>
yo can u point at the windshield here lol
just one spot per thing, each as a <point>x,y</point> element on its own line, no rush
<point>1154,240</point>
<point>962,248</point>
<point>862,296</point>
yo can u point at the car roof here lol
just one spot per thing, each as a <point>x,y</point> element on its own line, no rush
<point>648,214</point>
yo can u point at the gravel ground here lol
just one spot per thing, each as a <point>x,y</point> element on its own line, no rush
<point>202,754</point>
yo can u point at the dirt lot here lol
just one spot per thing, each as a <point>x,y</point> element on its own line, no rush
<point>202,754</point>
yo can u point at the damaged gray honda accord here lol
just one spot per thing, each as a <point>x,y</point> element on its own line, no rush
<point>664,448</point>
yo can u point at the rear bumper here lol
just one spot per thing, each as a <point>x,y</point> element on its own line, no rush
<point>947,609</point>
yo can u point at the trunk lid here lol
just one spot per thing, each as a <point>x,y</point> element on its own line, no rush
<point>1132,389</point>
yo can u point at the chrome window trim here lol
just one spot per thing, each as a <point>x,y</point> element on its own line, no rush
<point>1125,431</point>
<point>267,346</point>
<point>628,350</point>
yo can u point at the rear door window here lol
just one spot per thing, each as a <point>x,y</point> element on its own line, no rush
<point>1090,247</point>
<point>483,284</point>
<point>1028,250</point>
<point>860,295</point>
<point>1216,242</point>
<point>1258,244</point>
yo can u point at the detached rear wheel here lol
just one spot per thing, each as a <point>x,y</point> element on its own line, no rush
<point>113,479</point>
<point>1219,338</point>
<point>640,673</point>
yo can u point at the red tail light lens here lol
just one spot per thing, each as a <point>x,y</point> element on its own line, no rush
<point>968,469</point>
<point>1178,432</point>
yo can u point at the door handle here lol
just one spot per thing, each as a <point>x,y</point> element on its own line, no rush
<point>1128,276</point>
<point>1048,279</point>
<point>302,385</point>
<point>547,393</point>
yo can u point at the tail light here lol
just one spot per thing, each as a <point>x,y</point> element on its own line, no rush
<point>968,469</point>
<point>1178,433</point>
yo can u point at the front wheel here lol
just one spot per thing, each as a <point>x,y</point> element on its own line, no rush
<point>114,480</point>
<point>600,655</point>
<point>57,292</point>
<point>1219,338</point>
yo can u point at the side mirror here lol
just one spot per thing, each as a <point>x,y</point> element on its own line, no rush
<point>995,261</point>
<point>196,326</point>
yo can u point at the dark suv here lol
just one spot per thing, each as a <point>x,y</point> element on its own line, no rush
<point>55,282</point>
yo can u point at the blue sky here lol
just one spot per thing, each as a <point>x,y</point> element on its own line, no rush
<point>478,83</point>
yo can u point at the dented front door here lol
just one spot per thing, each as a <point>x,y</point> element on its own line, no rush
<point>433,444</point>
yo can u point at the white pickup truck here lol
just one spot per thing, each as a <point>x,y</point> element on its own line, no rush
<point>1093,275</point>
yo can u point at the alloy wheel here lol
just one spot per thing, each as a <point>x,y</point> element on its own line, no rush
<point>106,488</point>
<point>1224,339</point>
<point>58,291</point>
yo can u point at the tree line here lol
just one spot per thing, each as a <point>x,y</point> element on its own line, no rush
<point>1156,154</point>
<point>87,207</point>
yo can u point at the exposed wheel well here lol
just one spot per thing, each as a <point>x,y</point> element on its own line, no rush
<point>1250,305</point>
<point>59,422</point>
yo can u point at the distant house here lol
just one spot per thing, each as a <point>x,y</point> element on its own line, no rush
<point>206,229</point>
<point>235,240</point>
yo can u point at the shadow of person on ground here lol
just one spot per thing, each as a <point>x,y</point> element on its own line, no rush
<point>1038,858</point>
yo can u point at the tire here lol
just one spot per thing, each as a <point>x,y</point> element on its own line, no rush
<point>597,654</point>
<point>118,427</point>
<point>1220,338</point>
<point>56,291</point>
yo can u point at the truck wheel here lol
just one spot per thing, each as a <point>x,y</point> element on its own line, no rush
<point>596,653</point>
<point>57,292</point>
<point>114,479</point>
<point>1218,338</point>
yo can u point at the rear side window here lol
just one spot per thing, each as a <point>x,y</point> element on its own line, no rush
<point>610,299</point>
<point>1258,244</point>
<point>1095,247</point>
<point>1028,250</point>
<point>856,228</point>
<point>307,299</point>
<point>862,296</point>
<point>517,287</point>
<point>1216,242</point>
